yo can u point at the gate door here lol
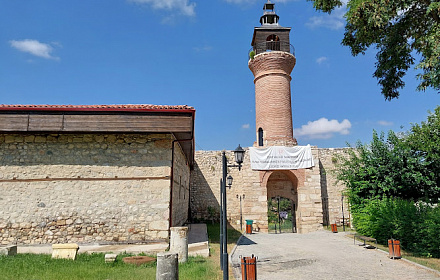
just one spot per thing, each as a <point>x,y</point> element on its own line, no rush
<point>281,215</point>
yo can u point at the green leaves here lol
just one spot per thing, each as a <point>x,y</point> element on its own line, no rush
<point>326,5</point>
<point>393,186</point>
<point>398,29</point>
<point>405,167</point>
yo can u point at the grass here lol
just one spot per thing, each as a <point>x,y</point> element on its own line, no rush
<point>31,266</point>
<point>92,266</point>
<point>214,242</point>
<point>433,263</point>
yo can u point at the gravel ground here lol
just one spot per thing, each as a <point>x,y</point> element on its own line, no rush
<point>321,255</point>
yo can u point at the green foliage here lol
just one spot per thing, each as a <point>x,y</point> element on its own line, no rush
<point>398,29</point>
<point>416,225</point>
<point>404,166</point>
<point>393,186</point>
<point>30,266</point>
<point>252,54</point>
<point>387,167</point>
<point>425,140</point>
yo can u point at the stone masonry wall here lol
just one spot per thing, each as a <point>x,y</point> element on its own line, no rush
<point>85,187</point>
<point>181,176</point>
<point>332,189</point>
<point>205,192</point>
<point>309,198</point>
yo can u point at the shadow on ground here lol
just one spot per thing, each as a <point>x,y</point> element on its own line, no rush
<point>246,241</point>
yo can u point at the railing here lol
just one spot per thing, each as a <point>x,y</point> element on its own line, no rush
<point>271,46</point>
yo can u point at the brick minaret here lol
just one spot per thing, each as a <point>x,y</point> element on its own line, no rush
<point>271,61</point>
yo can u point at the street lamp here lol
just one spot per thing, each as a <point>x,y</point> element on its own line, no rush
<point>239,155</point>
<point>343,218</point>
<point>229,180</point>
<point>241,211</point>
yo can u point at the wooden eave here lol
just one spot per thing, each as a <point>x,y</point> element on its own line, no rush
<point>180,123</point>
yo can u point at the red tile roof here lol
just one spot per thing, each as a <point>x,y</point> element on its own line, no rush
<point>91,108</point>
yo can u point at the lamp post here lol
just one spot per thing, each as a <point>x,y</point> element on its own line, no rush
<point>239,155</point>
<point>278,209</point>
<point>343,218</point>
<point>241,211</point>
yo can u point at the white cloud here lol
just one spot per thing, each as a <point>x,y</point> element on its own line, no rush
<point>321,59</point>
<point>35,48</point>
<point>385,123</point>
<point>183,6</point>
<point>323,128</point>
<point>203,49</point>
<point>333,21</point>
<point>245,126</point>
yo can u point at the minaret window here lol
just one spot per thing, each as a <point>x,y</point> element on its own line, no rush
<point>273,43</point>
<point>260,137</point>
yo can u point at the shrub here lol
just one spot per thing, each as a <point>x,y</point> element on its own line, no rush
<point>416,225</point>
<point>252,54</point>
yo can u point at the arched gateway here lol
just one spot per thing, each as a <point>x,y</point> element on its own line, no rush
<point>282,201</point>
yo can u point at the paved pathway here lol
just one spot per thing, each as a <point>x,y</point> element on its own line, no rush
<point>321,255</point>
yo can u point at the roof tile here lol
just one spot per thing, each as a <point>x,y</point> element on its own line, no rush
<point>115,107</point>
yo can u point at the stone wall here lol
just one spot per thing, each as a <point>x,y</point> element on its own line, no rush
<point>86,187</point>
<point>332,189</point>
<point>250,184</point>
<point>181,175</point>
<point>205,190</point>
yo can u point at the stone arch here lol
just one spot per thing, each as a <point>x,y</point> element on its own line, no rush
<point>281,183</point>
<point>284,184</point>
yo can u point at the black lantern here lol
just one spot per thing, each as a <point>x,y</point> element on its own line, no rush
<point>239,155</point>
<point>229,180</point>
<point>226,181</point>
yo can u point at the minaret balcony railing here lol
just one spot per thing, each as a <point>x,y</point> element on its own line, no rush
<point>269,46</point>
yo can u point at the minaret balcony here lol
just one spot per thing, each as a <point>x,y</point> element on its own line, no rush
<point>269,46</point>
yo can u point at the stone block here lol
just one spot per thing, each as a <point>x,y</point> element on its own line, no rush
<point>110,258</point>
<point>65,251</point>
<point>10,250</point>
<point>159,225</point>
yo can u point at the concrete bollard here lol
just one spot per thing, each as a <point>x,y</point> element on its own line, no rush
<point>179,242</point>
<point>167,266</point>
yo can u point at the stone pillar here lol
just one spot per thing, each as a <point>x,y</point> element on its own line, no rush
<point>167,266</point>
<point>179,242</point>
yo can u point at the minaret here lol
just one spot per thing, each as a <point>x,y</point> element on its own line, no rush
<point>271,61</point>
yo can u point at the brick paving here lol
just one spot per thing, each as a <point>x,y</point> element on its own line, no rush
<point>321,255</point>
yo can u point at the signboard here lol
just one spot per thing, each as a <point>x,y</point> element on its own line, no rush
<point>280,157</point>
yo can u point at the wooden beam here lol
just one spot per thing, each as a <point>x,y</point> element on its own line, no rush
<point>84,123</point>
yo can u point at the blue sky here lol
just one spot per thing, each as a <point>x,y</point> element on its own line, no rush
<point>190,52</point>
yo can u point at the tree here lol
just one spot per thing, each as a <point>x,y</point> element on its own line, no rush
<point>399,29</point>
<point>403,167</point>
<point>425,140</point>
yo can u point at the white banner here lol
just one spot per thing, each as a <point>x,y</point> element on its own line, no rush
<point>280,157</point>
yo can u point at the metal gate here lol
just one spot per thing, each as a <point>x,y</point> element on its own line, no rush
<point>281,215</point>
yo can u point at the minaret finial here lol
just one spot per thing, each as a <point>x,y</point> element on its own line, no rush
<point>269,17</point>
